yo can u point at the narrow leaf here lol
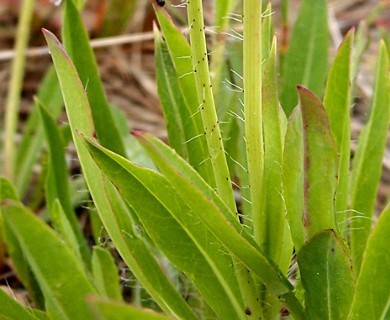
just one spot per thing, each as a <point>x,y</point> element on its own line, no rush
<point>11,309</point>
<point>116,311</point>
<point>49,94</point>
<point>50,260</point>
<point>326,277</point>
<point>180,53</point>
<point>320,165</point>
<point>337,102</point>
<point>227,230</point>
<point>57,181</point>
<point>367,164</point>
<point>372,298</point>
<point>176,231</point>
<point>293,178</point>
<point>274,222</point>
<point>306,61</point>
<point>112,211</point>
<point>105,274</point>
<point>77,44</point>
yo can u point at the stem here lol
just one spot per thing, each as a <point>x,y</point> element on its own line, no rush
<point>207,105</point>
<point>253,110</point>
<point>13,98</point>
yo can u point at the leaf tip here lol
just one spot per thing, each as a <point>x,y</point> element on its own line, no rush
<point>138,133</point>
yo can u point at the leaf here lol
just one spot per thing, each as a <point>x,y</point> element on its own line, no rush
<point>50,260</point>
<point>119,311</point>
<point>176,231</point>
<point>372,297</point>
<point>306,61</point>
<point>177,119</point>
<point>320,165</point>
<point>273,157</point>
<point>367,163</point>
<point>180,53</point>
<point>326,277</point>
<point>19,261</point>
<point>117,17</point>
<point>337,103</point>
<point>64,228</point>
<point>11,309</point>
<point>57,183</point>
<point>225,227</point>
<point>105,274</point>
<point>293,178</point>
<point>112,211</point>
<point>49,94</point>
<point>8,190</point>
<point>77,44</point>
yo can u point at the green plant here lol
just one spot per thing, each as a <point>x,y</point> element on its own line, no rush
<point>291,172</point>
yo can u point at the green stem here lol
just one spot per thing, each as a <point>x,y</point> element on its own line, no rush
<point>206,103</point>
<point>253,110</point>
<point>13,98</point>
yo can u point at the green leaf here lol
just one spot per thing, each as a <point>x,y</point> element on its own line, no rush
<point>337,103</point>
<point>20,263</point>
<point>119,311</point>
<point>8,190</point>
<point>177,119</point>
<point>274,222</point>
<point>112,211</point>
<point>105,274</point>
<point>49,94</point>
<point>57,183</point>
<point>64,228</point>
<point>306,61</point>
<point>320,165</point>
<point>180,53</point>
<point>176,231</point>
<point>372,297</point>
<point>367,164</point>
<point>117,17</point>
<point>77,44</point>
<point>11,309</point>
<point>293,178</point>
<point>225,227</point>
<point>51,260</point>
<point>326,277</point>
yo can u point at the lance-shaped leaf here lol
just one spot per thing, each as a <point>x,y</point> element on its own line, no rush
<point>77,44</point>
<point>51,260</point>
<point>326,276</point>
<point>176,230</point>
<point>57,182</point>
<point>320,165</point>
<point>11,309</point>
<point>293,178</point>
<point>337,102</point>
<point>372,298</point>
<point>119,311</point>
<point>105,274</point>
<point>180,53</point>
<point>273,155</point>
<point>306,61</point>
<point>112,211</point>
<point>224,226</point>
<point>367,167</point>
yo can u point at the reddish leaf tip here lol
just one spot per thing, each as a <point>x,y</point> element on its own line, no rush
<point>138,133</point>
